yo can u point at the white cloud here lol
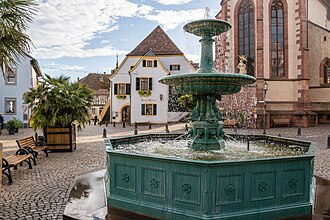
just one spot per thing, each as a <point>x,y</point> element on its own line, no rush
<point>64,28</point>
<point>176,17</point>
<point>173,2</point>
<point>193,57</point>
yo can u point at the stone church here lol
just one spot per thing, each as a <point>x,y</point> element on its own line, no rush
<point>287,45</point>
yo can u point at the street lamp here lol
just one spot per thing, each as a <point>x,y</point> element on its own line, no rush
<point>264,115</point>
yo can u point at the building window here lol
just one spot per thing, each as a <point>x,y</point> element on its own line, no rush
<point>325,71</point>
<point>122,89</point>
<point>10,76</point>
<point>277,38</point>
<point>149,109</point>
<point>246,34</point>
<point>149,63</point>
<point>10,105</point>
<point>144,83</point>
<point>175,67</point>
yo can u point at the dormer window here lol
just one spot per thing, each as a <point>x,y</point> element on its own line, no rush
<point>149,63</point>
<point>175,67</point>
<point>10,76</point>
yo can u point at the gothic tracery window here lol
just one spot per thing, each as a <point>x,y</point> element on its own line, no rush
<point>277,38</point>
<point>246,34</point>
<point>325,71</point>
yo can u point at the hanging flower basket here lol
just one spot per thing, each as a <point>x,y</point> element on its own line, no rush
<point>144,92</point>
<point>121,96</point>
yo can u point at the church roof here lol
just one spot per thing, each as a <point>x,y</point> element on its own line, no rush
<point>157,41</point>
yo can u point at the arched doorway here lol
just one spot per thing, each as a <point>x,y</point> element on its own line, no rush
<point>125,114</point>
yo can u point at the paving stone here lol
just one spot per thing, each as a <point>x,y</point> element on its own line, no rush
<point>41,193</point>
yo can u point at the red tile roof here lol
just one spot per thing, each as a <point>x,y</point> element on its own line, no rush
<point>98,82</point>
<point>157,41</point>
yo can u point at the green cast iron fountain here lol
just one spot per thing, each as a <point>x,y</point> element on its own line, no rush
<point>207,85</point>
<point>145,185</point>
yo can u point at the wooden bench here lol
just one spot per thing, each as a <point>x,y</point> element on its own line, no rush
<point>230,123</point>
<point>29,144</point>
<point>21,155</point>
<point>281,121</point>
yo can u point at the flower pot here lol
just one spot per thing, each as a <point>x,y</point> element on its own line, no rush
<point>11,131</point>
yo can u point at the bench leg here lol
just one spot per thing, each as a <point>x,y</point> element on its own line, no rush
<point>46,152</point>
<point>29,162</point>
<point>6,170</point>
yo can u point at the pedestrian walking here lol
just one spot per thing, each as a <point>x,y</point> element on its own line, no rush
<point>95,119</point>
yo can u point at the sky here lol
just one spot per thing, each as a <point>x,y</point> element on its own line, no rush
<point>77,37</point>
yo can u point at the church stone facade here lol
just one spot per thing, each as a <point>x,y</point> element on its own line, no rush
<point>287,43</point>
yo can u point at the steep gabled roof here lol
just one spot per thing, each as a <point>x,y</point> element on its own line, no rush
<point>157,41</point>
<point>96,81</point>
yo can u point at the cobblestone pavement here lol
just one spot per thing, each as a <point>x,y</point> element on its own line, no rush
<point>41,193</point>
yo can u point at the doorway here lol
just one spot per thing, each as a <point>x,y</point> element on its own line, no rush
<point>125,114</point>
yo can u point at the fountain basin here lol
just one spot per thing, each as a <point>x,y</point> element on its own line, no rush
<point>207,27</point>
<point>171,188</point>
<point>208,83</point>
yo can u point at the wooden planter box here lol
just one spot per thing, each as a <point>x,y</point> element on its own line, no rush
<point>61,139</point>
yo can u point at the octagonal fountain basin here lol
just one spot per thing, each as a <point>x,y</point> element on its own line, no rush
<point>208,83</point>
<point>164,187</point>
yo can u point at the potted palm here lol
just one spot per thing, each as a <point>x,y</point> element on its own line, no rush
<point>10,125</point>
<point>58,106</point>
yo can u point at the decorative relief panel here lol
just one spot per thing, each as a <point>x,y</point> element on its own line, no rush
<point>263,186</point>
<point>125,177</point>
<point>153,182</point>
<point>293,183</point>
<point>229,189</point>
<point>186,188</point>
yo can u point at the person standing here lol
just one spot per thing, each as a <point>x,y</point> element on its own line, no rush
<point>2,121</point>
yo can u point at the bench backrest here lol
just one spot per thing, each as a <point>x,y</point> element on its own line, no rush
<point>26,142</point>
<point>281,120</point>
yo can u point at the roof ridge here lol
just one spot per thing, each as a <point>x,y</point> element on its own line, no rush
<point>159,42</point>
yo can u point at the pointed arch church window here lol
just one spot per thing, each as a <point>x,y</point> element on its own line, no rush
<point>246,27</point>
<point>277,39</point>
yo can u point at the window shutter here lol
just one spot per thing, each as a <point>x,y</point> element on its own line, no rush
<point>178,67</point>
<point>143,109</point>
<point>144,63</point>
<point>150,84</point>
<point>171,67</point>
<point>128,89</point>
<point>137,84</point>
<point>115,89</point>
<point>154,109</point>
<point>155,63</point>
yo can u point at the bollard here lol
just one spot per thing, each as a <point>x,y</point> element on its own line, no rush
<point>114,124</point>
<point>135,125</point>
<point>135,131</point>
<point>248,145</point>
<point>299,132</point>
<point>149,126</point>
<point>166,128</point>
<point>106,123</point>
<point>124,125</point>
<point>104,133</point>
<point>186,127</point>
<point>328,147</point>
<point>279,135</point>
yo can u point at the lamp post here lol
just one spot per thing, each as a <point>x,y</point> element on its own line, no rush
<point>264,115</point>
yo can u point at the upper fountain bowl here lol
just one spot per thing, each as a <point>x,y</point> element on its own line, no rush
<point>207,27</point>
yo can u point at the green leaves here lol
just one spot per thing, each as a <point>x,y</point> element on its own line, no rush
<point>14,42</point>
<point>57,102</point>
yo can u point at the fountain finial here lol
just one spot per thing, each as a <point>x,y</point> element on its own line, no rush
<point>207,12</point>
